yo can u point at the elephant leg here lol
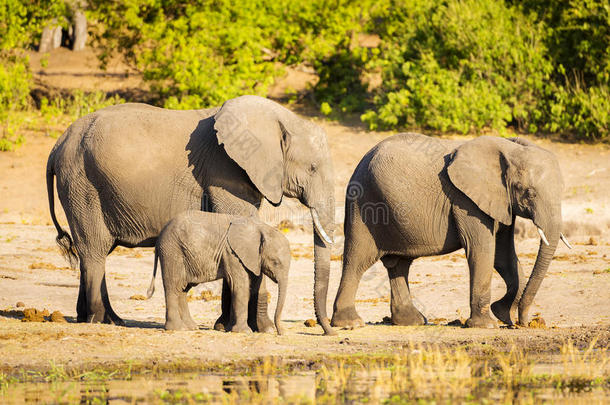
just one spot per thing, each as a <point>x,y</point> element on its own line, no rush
<point>93,243</point>
<point>173,304</point>
<point>357,258</point>
<point>401,306</point>
<point>223,323</point>
<point>480,263</point>
<point>93,303</point>
<point>240,290</point>
<point>185,314</point>
<point>258,315</point>
<point>506,263</point>
<point>92,275</point>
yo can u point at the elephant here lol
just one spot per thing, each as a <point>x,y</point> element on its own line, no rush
<point>413,195</point>
<point>198,247</point>
<point>124,171</point>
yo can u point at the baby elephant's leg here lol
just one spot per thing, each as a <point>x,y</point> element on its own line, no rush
<point>175,297</point>
<point>185,314</point>
<point>240,295</point>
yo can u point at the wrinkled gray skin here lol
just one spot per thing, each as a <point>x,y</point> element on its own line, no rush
<point>198,247</point>
<point>123,172</point>
<point>413,196</point>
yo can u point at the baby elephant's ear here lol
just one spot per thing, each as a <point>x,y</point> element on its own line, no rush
<point>245,241</point>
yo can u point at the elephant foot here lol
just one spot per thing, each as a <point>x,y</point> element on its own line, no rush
<point>100,316</point>
<point>241,329</point>
<point>264,325</point>
<point>190,324</point>
<point>481,321</point>
<point>347,318</point>
<point>407,316</point>
<point>502,312</point>
<point>222,324</point>
<point>113,319</point>
<point>176,325</point>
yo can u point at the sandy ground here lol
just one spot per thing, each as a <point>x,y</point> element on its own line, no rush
<point>574,298</point>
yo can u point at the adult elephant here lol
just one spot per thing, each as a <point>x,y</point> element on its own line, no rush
<point>123,172</point>
<point>414,196</point>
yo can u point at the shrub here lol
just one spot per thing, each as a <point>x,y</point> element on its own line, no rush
<point>459,66</point>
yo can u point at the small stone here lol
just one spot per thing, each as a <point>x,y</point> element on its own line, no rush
<point>310,323</point>
<point>386,320</point>
<point>138,297</point>
<point>20,304</point>
<point>456,322</point>
<point>57,316</point>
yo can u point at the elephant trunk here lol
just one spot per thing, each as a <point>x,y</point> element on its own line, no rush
<point>549,238</point>
<point>322,265</point>
<point>281,298</point>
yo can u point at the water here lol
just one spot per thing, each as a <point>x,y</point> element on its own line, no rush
<point>345,384</point>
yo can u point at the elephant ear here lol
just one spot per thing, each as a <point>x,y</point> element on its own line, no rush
<point>478,169</point>
<point>250,130</point>
<point>245,241</point>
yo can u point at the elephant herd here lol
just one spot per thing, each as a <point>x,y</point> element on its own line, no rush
<point>190,183</point>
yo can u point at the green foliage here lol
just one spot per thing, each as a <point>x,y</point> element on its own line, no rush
<point>193,55</point>
<point>14,83</point>
<point>459,66</point>
<point>21,23</point>
<point>55,112</point>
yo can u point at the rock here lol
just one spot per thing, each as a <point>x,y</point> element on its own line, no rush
<point>32,315</point>
<point>137,297</point>
<point>57,316</point>
<point>20,304</point>
<point>79,37</point>
<point>386,320</point>
<point>310,323</point>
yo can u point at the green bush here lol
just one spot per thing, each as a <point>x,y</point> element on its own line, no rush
<point>459,66</point>
<point>21,23</point>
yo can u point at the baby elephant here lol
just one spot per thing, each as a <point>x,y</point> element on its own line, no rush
<point>197,247</point>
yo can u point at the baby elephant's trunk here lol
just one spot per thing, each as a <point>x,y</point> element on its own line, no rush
<point>281,298</point>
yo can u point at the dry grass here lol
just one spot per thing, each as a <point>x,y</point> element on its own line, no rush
<point>414,373</point>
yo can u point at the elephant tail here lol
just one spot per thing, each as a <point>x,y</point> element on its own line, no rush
<point>63,238</point>
<point>151,288</point>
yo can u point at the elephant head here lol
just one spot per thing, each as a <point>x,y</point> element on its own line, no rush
<point>514,177</point>
<point>285,155</point>
<point>261,248</point>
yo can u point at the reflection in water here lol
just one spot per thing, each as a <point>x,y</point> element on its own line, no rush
<point>372,386</point>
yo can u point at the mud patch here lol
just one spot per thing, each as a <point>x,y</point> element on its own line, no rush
<point>34,315</point>
<point>537,323</point>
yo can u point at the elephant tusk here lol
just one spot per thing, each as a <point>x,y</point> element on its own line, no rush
<point>565,240</point>
<point>319,229</point>
<point>543,237</point>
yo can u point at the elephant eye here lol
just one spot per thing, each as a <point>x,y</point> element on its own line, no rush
<point>313,168</point>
